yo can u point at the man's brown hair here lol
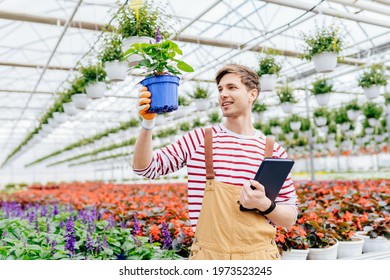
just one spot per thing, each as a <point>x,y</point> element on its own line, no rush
<point>248,76</point>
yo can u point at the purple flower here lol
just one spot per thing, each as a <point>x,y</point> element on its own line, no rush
<point>158,35</point>
<point>47,227</point>
<point>89,243</point>
<point>31,216</point>
<point>53,247</point>
<point>111,222</point>
<point>70,236</point>
<point>43,211</point>
<point>137,226</point>
<point>61,225</point>
<point>105,241</point>
<point>98,245</point>
<point>167,240</point>
<point>4,234</point>
<point>55,210</point>
<point>37,226</point>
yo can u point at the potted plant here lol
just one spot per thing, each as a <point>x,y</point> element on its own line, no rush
<point>295,122</point>
<point>112,57</point>
<point>269,69</point>
<point>322,89</point>
<point>139,26</point>
<point>94,77</point>
<point>350,245</point>
<point>341,118</point>
<point>214,117</point>
<point>162,69</point>
<point>258,109</point>
<point>275,126</point>
<point>185,126</point>
<point>201,95</point>
<point>287,99</point>
<point>353,110</point>
<point>184,102</point>
<point>323,47</point>
<point>322,241</point>
<point>76,94</point>
<point>371,81</point>
<point>376,236</point>
<point>321,116</point>
<point>292,243</point>
<point>372,112</point>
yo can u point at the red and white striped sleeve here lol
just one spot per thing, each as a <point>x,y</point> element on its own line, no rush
<point>287,194</point>
<point>174,156</point>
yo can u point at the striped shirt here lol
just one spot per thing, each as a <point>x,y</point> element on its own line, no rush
<point>236,159</point>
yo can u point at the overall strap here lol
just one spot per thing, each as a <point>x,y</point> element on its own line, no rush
<point>208,152</point>
<point>269,147</point>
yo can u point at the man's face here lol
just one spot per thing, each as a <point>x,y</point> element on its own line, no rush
<point>234,99</point>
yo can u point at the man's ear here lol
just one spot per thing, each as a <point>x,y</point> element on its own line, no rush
<point>253,95</point>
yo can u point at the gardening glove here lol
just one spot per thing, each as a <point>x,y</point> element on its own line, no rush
<point>148,119</point>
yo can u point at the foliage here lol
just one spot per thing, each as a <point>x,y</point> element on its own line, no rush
<point>197,123</point>
<point>353,105</point>
<point>200,92</point>
<point>372,110</point>
<point>321,86</point>
<point>268,65</point>
<point>327,39</point>
<point>319,236</point>
<point>93,73</point>
<point>185,126</point>
<point>292,238</point>
<point>184,101</point>
<point>112,48</point>
<point>373,76</point>
<point>386,95</point>
<point>340,115</point>
<point>286,95</point>
<point>166,132</point>
<point>259,107</point>
<point>321,112</point>
<point>214,117</point>
<point>149,20</point>
<point>159,58</point>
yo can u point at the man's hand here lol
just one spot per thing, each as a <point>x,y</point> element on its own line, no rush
<point>144,104</point>
<point>148,119</point>
<point>256,198</point>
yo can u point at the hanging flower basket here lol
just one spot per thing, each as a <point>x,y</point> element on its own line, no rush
<point>268,82</point>
<point>69,108</point>
<point>80,100</point>
<point>164,90</point>
<point>372,92</point>
<point>116,70</point>
<point>320,121</point>
<point>295,125</point>
<point>96,90</point>
<point>353,115</point>
<point>59,117</point>
<point>323,99</point>
<point>325,62</point>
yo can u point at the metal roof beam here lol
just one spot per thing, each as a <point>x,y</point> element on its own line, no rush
<point>330,12</point>
<point>28,65</point>
<point>363,6</point>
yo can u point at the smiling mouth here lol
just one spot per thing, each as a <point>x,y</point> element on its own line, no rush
<point>225,104</point>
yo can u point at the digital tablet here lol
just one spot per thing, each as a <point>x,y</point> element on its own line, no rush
<point>272,174</point>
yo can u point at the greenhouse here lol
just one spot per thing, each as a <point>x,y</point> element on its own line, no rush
<point>72,185</point>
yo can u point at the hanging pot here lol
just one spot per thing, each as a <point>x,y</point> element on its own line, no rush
<point>96,90</point>
<point>69,108</point>
<point>325,61</point>
<point>201,104</point>
<point>353,114</point>
<point>267,82</point>
<point>345,126</point>
<point>295,125</point>
<point>116,70</point>
<point>320,121</point>
<point>373,122</point>
<point>164,90</point>
<point>287,107</point>
<point>322,99</point>
<point>59,117</point>
<point>128,42</point>
<point>275,130</point>
<point>372,92</point>
<point>80,100</point>
<point>53,124</point>
<point>369,130</point>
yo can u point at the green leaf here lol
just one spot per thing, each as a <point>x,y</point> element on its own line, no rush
<point>3,224</point>
<point>184,67</point>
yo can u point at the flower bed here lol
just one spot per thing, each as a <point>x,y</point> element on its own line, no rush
<point>150,221</point>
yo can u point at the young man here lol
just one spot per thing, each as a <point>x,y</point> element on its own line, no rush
<point>221,161</point>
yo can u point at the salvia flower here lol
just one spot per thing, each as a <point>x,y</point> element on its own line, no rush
<point>70,236</point>
<point>89,243</point>
<point>167,240</point>
<point>55,210</point>
<point>158,35</point>
<point>137,226</point>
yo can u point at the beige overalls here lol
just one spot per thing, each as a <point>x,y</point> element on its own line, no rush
<point>223,232</point>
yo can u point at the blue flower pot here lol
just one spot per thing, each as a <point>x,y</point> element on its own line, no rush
<point>164,90</point>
